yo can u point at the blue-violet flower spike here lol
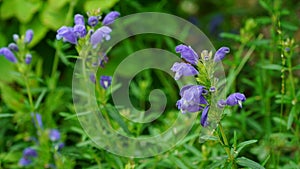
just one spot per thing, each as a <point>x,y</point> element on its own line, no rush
<point>93,21</point>
<point>78,19</point>
<point>37,117</point>
<point>28,36</point>
<point>8,54</point>
<point>105,81</point>
<point>187,53</point>
<point>183,69</point>
<point>220,54</point>
<point>16,37</point>
<point>204,115</point>
<point>54,135</point>
<point>67,33</point>
<point>99,34</point>
<point>110,18</point>
<point>221,104</point>
<point>235,98</point>
<point>24,162</point>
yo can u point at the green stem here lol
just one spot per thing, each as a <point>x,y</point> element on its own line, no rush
<point>225,142</point>
<point>55,64</point>
<point>29,93</point>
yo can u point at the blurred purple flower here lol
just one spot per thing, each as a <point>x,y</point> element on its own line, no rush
<point>204,115</point>
<point>212,89</point>
<point>191,98</point>
<point>67,33</point>
<point>28,58</point>
<point>110,18</point>
<point>187,53</point>
<point>29,152</point>
<point>105,81</point>
<point>235,98</point>
<point>183,69</point>
<point>13,47</point>
<point>93,77</point>
<point>221,104</point>
<point>99,34</point>
<point>78,19</point>
<point>37,117</point>
<point>54,135</point>
<point>220,54</point>
<point>16,37</point>
<point>24,161</point>
<point>93,21</point>
<point>80,30</point>
<point>28,36</point>
<point>8,54</point>
<point>215,23</point>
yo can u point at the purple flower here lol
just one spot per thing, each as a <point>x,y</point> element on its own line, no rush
<point>183,69</point>
<point>67,33</point>
<point>212,89</point>
<point>220,54</point>
<point>24,161</point>
<point>28,36</point>
<point>191,98</point>
<point>28,58</point>
<point>36,117</point>
<point>13,47</point>
<point>93,77</point>
<point>93,20</point>
<point>80,30</point>
<point>29,152</point>
<point>60,146</point>
<point>221,104</point>
<point>187,53</point>
<point>54,135</point>
<point>204,115</point>
<point>235,98</point>
<point>16,37</point>
<point>78,19</point>
<point>8,54</point>
<point>110,18</point>
<point>105,81</point>
<point>99,34</point>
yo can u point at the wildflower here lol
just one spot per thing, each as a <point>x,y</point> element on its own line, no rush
<point>24,161</point>
<point>110,18</point>
<point>8,54</point>
<point>28,58</point>
<point>220,54</point>
<point>13,47</point>
<point>235,98</point>
<point>221,104</point>
<point>204,115</point>
<point>16,37</point>
<point>212,89</point>
<point>28,36</point>
<point>93,21</point>
<point>105,81</point>
<point>54,135</point>
<point>78,19</point>
<point>67,33</point>
<point>36,117</point>
<point>80,30</point>
<point>29,152</point>
<point>191,98</point>
<point>59,146</point>
<point>183,69</point>
<point>187,53</point>
<point>99,34</point>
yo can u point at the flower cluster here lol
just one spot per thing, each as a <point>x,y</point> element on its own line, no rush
<point>17,51</point>
<point>95,32</point>
<point>53,135</point>
<point>196,98</point>
<point>104,81</point>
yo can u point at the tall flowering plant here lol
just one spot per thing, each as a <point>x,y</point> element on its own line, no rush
<point>202,96</point>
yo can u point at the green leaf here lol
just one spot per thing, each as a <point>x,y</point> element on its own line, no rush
<point>291,117</point>
<point>25,9</point>
<point>230,36</point>
<point>242,145</point>
<point>115,115</point>
<point>178,162</point>
<point>102,4</point>
<point>7,9</point>
<point>245,162</point>
<point>192,149</point>
<point>289,26</point>
<point>265,5</point>
<point>296,67</point>
<point>57,4</point>
<point>272,67</point>
<point>6,115</point>
<point>54,18</point>
<point>12,98</point>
